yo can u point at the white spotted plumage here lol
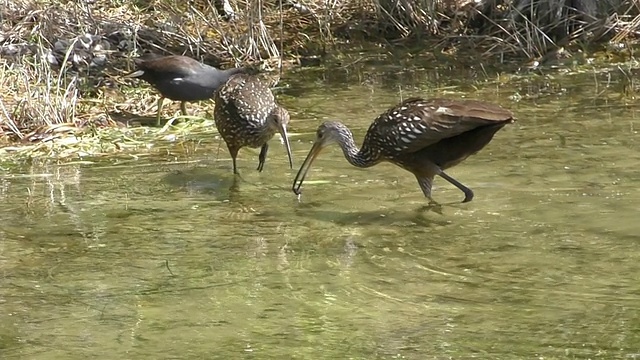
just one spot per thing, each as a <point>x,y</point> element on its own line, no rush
<point>246,114</point>
<point>242,107</point>
<point>424,137</point>
<point>416,123</point>
<point>443,110</point>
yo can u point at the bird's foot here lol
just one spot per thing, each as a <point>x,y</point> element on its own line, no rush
<point>432,206</point>
<point>468,195</point>
<point>235,186</point>
<point>167,125</point>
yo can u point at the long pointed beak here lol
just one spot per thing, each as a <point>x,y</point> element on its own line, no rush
<point>306,165</point>
<point>287,146</point>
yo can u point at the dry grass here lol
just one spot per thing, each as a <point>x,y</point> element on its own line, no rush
<point>60,65</point>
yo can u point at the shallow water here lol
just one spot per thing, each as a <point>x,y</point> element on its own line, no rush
<point>164,256</point>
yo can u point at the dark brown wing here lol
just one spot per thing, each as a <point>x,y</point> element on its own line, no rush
<point>175,65</point>
<point>417,123</point>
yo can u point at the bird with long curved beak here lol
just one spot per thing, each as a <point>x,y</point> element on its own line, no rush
<point>247,114</point>
<point>422,136</point>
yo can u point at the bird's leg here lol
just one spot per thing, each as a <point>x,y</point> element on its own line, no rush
<point>426,184</point>
<point>234,153</point>
<point>183,108</point>
<point>468,194</point>
<point>262,158</point>
<point>160,101</point>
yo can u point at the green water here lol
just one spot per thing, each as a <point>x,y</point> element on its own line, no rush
<point>163,256</point>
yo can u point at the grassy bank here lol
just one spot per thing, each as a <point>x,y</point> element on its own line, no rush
<point>61,63</point>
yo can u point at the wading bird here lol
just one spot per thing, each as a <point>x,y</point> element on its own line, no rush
<point>181,78</point>
<point>247,114</point>
<point>424,137</point>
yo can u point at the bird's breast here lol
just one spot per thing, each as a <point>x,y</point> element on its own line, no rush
<point>243,130</point>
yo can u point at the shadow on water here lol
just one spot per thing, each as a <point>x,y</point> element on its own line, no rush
<point>217,181</point>
<point>171,256</point>
<point>221,185</point>
<point>377,218</point>
<point>203,180</point>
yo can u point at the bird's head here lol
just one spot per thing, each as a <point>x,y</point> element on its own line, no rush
<point>278,120</point>
<point>328,133</point>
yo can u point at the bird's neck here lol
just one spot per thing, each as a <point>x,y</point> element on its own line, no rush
<point>263,132</point>
<point>263,129</point>
<point>362,158</point>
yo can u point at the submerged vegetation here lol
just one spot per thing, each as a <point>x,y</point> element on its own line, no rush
<point>61,63</point>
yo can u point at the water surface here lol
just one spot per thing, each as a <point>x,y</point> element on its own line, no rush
<point>166,256</point>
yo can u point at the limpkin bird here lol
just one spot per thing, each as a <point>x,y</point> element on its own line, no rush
<point>181,78</point>
<point>247,114</point>
<point>422,136</point>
